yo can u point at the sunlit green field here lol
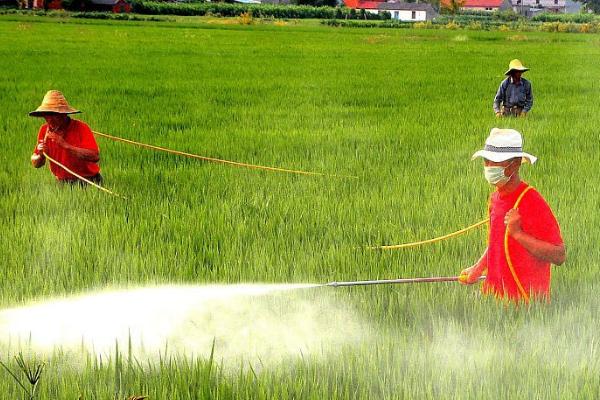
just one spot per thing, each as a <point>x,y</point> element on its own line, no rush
<point>401,109</point>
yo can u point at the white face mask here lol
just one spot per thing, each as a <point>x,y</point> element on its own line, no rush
<point>495,175</point>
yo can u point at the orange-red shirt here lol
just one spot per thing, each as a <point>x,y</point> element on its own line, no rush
<point>77,134</point>
<point>538,221</point>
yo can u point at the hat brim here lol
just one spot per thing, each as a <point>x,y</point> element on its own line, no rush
<point>499,157</point>
<point>41,113</point>
<point>516,69</point>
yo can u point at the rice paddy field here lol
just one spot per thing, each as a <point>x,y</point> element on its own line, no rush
<point>403,110</point>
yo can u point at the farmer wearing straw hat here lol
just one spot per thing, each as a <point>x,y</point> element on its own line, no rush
<point>524,236</point>
<point>514,96</point>
<point>69,141</point>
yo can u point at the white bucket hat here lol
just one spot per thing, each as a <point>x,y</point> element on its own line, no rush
<point>502,145</point>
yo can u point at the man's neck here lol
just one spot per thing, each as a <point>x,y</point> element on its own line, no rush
<point>510,186</point>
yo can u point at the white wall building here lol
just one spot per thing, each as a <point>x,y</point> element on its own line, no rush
<point>524,6</point>
<point>408,11</point>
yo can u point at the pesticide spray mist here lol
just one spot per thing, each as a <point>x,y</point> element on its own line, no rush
<point>266,322</point>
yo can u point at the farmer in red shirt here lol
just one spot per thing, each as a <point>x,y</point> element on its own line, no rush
<point>68,141</point>
<point>524,237</point>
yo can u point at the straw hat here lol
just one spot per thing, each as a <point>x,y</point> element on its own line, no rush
<point>54,102</point>
<point>502,145</point>
<point>516,65</point>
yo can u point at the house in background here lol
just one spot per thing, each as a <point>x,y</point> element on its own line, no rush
<point>530,8</point>
<point>409,11</point>
<point>573,7</point>
<point>399,10</point>
<point>483,5</point>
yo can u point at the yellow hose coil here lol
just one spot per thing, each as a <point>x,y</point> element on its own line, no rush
<point>507,253</point>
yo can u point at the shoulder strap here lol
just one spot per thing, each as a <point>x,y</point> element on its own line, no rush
<point>507,253</point>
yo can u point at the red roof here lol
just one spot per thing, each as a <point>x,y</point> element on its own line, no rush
<point>367,5</point>
<point>478,3</point>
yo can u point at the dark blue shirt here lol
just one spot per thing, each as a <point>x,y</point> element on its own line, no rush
<point>511,94</point>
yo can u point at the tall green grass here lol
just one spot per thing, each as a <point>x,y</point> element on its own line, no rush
<point>404,110</point>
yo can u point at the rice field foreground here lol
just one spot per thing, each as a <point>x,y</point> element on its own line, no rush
<point>401,109</point>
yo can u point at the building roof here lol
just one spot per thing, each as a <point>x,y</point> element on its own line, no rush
<point>369,5</point>
<point>401,6</point>
<point>477,3</point>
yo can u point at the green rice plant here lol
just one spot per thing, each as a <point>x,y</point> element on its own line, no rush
<point>32,372</point>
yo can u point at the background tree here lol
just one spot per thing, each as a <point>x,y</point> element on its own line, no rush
<point>316,3</point>
<point>452,6</point>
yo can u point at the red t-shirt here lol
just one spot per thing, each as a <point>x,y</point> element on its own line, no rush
<point>538,221</point>
<point>80,135</point>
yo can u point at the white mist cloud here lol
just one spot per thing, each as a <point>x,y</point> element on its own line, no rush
<point>265,322</point>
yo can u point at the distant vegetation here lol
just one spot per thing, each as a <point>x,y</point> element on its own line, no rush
<point>257,10</point>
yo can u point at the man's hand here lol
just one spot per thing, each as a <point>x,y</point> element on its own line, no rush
<point>498,114</point>
<point>41,148</point>
<point>469,276</point>
<point>512,220</point>
<point>523,114</point>
<point>58,140</point>
<point>81,153</point>
<point>37,158</point>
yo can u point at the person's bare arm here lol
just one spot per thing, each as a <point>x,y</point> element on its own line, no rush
<point>541,250</point>
<point>81,153</point>
<point>84,154</point>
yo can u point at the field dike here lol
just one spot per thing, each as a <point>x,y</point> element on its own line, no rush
<point>266,322</point>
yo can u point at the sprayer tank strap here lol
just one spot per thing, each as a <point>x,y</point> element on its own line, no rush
<point>522,291</point>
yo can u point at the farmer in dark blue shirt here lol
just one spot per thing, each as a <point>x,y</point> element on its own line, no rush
<point>514,97</point>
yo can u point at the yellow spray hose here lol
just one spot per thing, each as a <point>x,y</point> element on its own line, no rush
<point>464,230</point>
<point>429,241</point>
<point>217,160</point>
<point>507,254</point>
<point>81,177</point>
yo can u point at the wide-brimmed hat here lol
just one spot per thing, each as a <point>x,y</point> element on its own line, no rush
<point>502,145</point>
<point>516,65</point>
<point>54,102</point>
